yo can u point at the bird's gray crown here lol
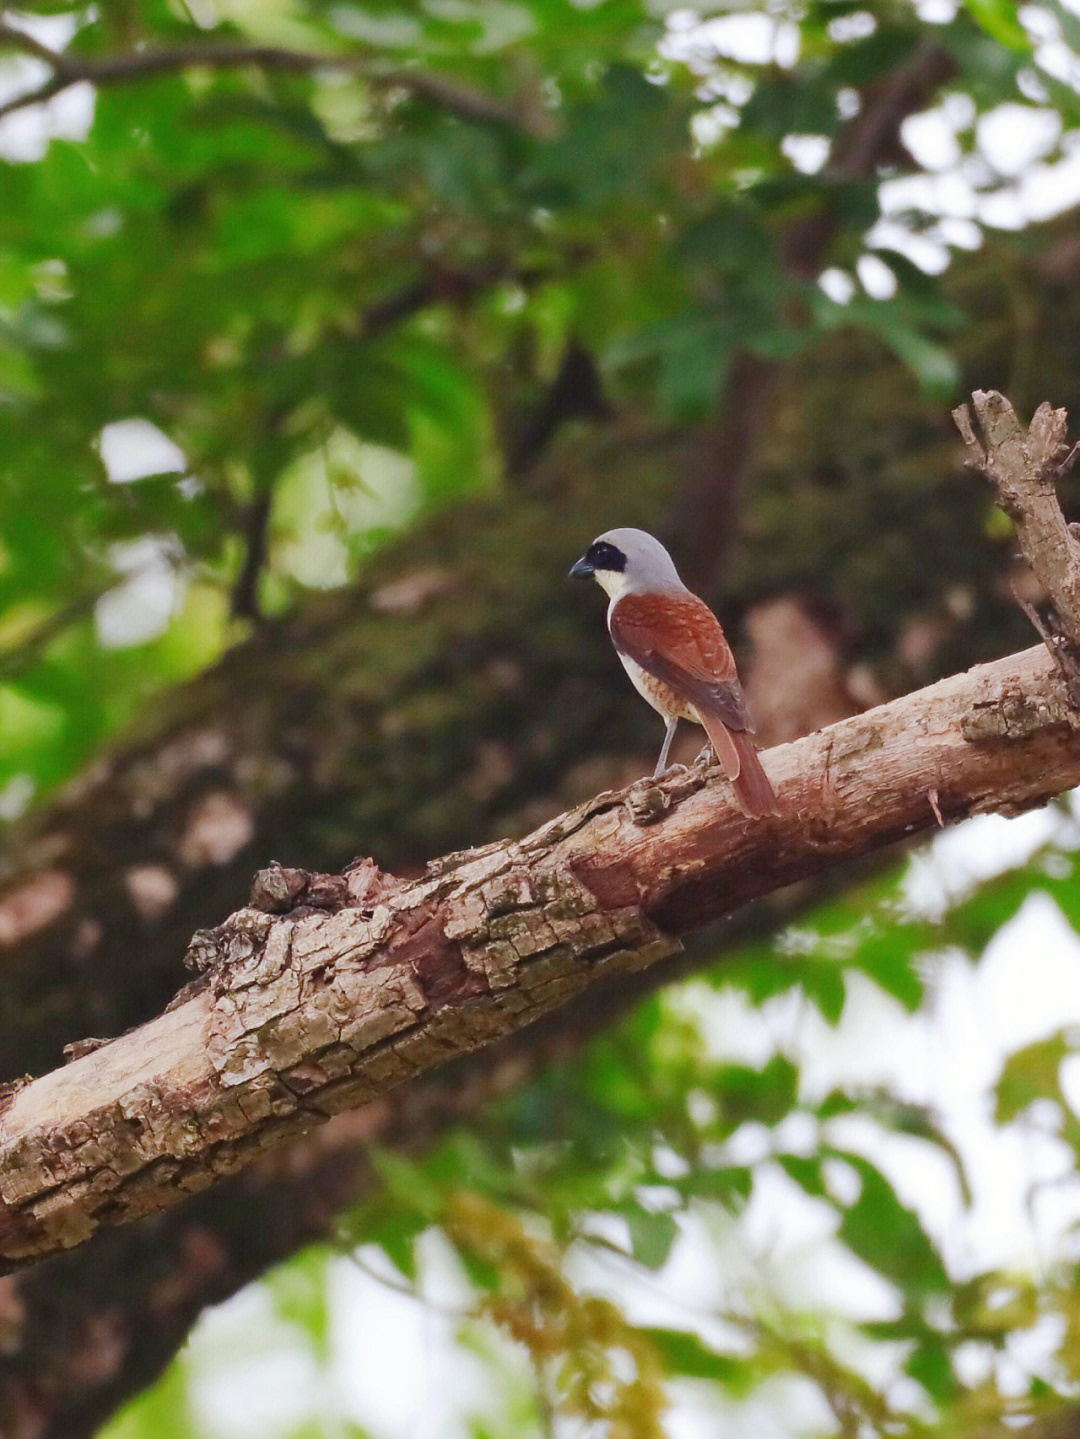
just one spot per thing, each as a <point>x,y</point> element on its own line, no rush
<point>647,567</point>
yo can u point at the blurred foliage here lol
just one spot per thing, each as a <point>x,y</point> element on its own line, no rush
<point>336,295</point>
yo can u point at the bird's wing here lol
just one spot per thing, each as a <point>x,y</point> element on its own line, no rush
<point>678,639</point>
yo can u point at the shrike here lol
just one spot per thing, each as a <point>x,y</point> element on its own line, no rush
<point>672,647</point>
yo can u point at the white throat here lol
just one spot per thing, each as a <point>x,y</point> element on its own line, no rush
<point>613,583</point>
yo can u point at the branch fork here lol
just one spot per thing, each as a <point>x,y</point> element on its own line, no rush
<point>1024,466</point>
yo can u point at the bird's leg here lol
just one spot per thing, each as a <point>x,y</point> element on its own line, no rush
<point>705,755</point>
<point>665,748</point>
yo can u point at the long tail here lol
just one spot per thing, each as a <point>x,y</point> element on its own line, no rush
<point>739,759</point>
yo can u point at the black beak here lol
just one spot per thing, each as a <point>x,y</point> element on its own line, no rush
<point>581,569</point>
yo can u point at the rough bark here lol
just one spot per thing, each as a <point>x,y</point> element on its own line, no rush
<point>365,982</point>
<point>847,471</point>
<point>352,723</point>
<point>83,1331</point>
<point>84,1336</point>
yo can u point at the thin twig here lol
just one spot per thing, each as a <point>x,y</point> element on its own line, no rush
<point>975,458</point>
<point>28,651</point>
<point>455,1312</point>
<point>22,40</point>
<point>1064,659</point>
<point>1069,460</point>
<point>873,138</point>
<point>442,90</point>
<point>255,527</point>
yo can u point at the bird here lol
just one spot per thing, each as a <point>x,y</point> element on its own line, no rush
<point>672,647</point>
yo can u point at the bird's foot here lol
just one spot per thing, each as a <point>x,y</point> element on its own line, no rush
<point>704,757</point>
<point>659,773</point>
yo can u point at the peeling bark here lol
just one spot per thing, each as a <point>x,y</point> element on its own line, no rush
<point>49,1327</point>
<point>317,1010</point>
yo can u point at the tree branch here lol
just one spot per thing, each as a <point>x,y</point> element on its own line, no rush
<point>870,139</point>
<point>64,1370</point>
<point>1024,466</point>
<point>18,39</point>
<point>365,981</point>
<point>314,738</point>
<point>71,69</point>
<point>86,1330</point>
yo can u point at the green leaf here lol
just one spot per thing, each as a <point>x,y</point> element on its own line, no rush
<point>934,365</point>
<point>806,1172</point>
<point>652,1233</point>
<point>888,1236</point>
<point>930,1365</point>
<point>824,986</point>
<point>408,1182</point>
<point>299,1292</point>
<point>685,1354</point>
<point>766,1095</point>
<point>1001,22</point>
<point>1030,1074</point>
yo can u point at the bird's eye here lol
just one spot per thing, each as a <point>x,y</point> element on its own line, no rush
<point>604,556</point>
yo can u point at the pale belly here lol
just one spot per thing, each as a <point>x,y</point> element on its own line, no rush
<point>660,695</point>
